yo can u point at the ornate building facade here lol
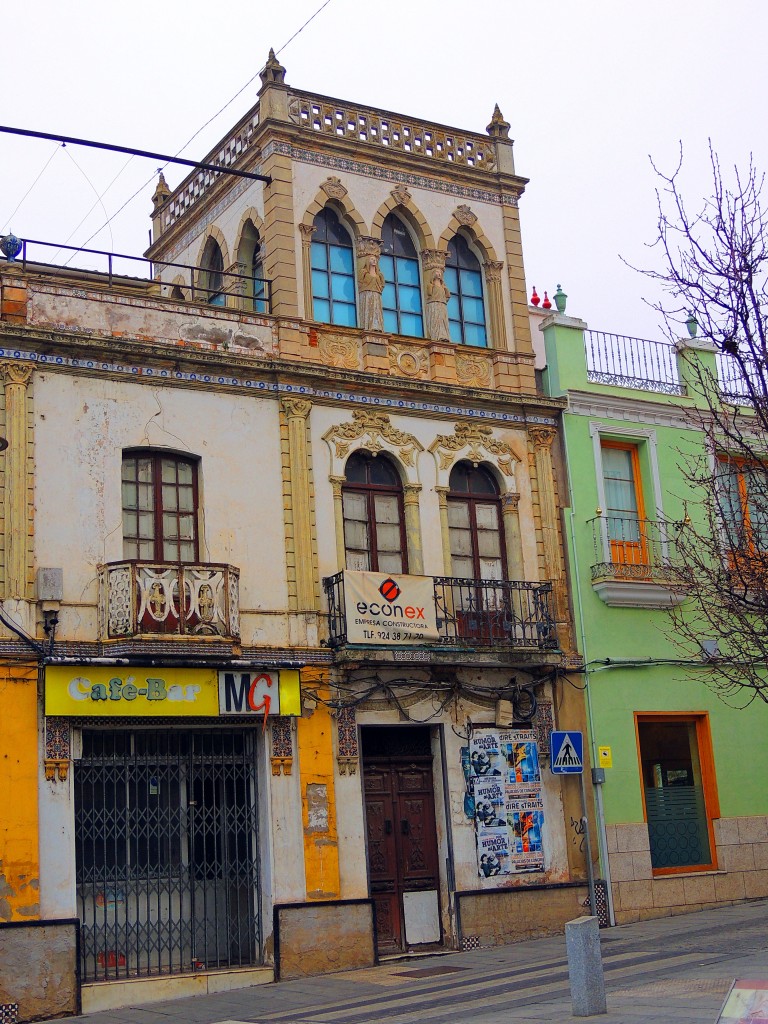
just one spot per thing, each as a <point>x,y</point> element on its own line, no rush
<point>285,521</point>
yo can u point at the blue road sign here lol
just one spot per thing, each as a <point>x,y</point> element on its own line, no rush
<point>567,752</point>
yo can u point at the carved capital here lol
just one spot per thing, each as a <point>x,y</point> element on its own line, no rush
<point>334,188</point>
<point>367,246</point>
<point>306,231</point>
<point>510,501</point>
<point>433,259</point>
<point>493,269</point>
<point>542,437</point>
<point>411,494</point>
<point>15,373</point>
<point>442,496</point>
<point>296,408</point>
<point>337,482</point>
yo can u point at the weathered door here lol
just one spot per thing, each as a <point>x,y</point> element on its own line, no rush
<point>402,849</point>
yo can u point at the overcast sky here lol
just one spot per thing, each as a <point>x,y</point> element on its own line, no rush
<point>591,89</point>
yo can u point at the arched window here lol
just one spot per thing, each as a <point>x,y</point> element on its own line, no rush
<point>474,522</point>
<point>374,531</point>
<point>212,274</point>
<point>399,263</point>
<point>260,296</point>
<point>333,272</point>
<point>159,507</point>
<point>466,309</point>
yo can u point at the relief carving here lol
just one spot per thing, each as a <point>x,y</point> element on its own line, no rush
<point>474,441</point>
<point>474,371</point>
<point>464,215</point>
<point>410,362</point>
<point>401,195</point>
<point>338,350</point>
<point>373,428</point>
<point>334,188</point>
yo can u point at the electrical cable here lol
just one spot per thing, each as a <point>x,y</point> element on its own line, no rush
<point>39,176</point>
<point>95,192</point>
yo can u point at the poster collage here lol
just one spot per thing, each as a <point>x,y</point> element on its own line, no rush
<point>504,790</point>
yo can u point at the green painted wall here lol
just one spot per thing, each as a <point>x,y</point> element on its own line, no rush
<point>739,737</point>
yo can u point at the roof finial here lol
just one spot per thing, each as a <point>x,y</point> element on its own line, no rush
<point>498,128</point>
<point>273,72</point>
<point>162,192</point>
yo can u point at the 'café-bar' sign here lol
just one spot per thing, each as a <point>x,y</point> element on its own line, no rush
<point>384,609</point>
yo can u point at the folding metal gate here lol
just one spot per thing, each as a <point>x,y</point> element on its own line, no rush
<point>167,851</point>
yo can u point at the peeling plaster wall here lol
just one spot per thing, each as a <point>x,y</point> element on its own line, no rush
<point>19,859</point>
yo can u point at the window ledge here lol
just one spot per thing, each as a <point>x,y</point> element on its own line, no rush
<point>636,594</point>
<point>690,873</point>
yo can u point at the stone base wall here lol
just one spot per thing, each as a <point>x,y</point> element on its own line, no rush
<point>320,938</point>
<point>496,917</point>
<point>38,968</point>
<point>742,871</point>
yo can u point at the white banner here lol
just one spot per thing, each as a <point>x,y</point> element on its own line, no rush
<point>385,609</point>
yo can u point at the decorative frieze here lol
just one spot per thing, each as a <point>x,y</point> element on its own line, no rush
<point>374,432</point>
<point>348,753</point>
<point>57,749</point>
<point>475,442</point>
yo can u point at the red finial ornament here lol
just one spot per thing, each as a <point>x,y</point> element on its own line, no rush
<point>546,304</point>
<point>535,300</point>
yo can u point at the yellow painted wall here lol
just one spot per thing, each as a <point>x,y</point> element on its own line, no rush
<point>19,839</point>
<point>318,794</point>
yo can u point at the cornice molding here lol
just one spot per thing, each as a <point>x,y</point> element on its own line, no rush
<point>633,410</point>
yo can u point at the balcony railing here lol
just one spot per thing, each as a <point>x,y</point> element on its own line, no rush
<point>472,613</point>
<point>627,548</point>
<point>632,363</point>
<point>151,598</point>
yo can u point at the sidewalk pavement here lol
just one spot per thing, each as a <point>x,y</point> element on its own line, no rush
<point>668,971</point>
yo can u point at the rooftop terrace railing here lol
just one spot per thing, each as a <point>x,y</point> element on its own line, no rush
<point>738,382</point>
<point>626,362</point>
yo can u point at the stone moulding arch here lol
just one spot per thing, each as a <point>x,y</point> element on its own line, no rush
<point>475,443</point>
<point>401,202</point>
<point>472,231</point>
<point>213,232</point>
<point>249,215</point>
<point>373,432</point>
<point>334,194</point>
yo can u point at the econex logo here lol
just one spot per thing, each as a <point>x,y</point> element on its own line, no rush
<point>389,590</point>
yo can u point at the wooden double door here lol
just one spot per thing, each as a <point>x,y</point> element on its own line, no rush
<point>402,850</point>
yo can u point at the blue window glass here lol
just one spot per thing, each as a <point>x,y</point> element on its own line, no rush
<point>212,274</point>
<point>401,298</point>
<point>466,308</point>
<point>260,294</point>
<point>333,272</point>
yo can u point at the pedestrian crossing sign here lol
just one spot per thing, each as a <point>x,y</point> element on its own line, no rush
<point>567,752</point>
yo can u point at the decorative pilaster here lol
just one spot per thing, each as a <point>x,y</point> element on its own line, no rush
<point>542,438</point>
<point>348,752</point>
<point>442,494</point>
<point>337,482</point>
<point>411,494</point>
<point>296,412</point>
<point>509,511</point>
<point>498,327</point>
<point>16,379</point>
<point>282,746</point>
<point>306,231</point>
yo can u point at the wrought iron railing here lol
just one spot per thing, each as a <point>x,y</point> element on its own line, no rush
<point>139,598</point>
<point>627,548</point>
<point>192,284</point>
<point>632,363</point>
<point>471,613</point>
<point>738,382</point>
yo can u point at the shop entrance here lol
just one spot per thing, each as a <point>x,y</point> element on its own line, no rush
<point>402,837</point>
<point>166,852</point>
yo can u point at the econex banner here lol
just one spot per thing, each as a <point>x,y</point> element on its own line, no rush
<point>385,609</point>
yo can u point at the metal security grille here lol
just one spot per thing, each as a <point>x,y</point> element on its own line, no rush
<point>166,840</point>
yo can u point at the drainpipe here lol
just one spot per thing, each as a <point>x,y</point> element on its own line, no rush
<point>598,790</point>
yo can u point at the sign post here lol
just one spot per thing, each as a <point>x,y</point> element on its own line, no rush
<point>567,754</point>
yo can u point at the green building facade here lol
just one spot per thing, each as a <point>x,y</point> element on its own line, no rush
<point>681,812</point>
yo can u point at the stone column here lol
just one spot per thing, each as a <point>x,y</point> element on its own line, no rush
<point>509,511</point>
<point>442,494</point>
<point>17,513</point>
<point>498,328</point>
<point>413,529</point>
<point>297,412</point>
<point>306,231</point>
<point>436,293</point>
<point>337,482</point>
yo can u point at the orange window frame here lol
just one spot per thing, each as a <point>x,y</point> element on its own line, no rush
<point>708,778</point>
<point>625,552</point>
<point>739,463</point>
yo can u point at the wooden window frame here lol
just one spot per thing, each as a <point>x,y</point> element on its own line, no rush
<point>751,549</point>
<point>370,491</point>
<point>482,499</point>
<point>637,482</point>
<point>156,458</point>
<point>708,778</point>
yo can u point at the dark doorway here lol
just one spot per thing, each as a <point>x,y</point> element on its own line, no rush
<point>402,836</point>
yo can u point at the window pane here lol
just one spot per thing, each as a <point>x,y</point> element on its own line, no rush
<point>451,280</point>
<point>319,284</point>
<point>471,283</point>
<point>146,525</point>
<point>129,495</point>
<point>407,272</point>
<point>186,499</point>
<point>388,538</point>
<point>390,322</point>
<point>461,542</point>
<point>458,514</point>
<point>387,508</point>
<point>187,527</point>
<point>319,256</point>
<point>130,548</point>
<point>342,288</point>
<point>186,552</point>
<point>355,506</point>
<point>488,545</point>
<point>356,535</point>
<point>170,499</point>
<point>387,267</point>
<point>390,561</point>
<point>410,300</point>
<point>344,314</point>
<point>130,523</point>
<point>462,567</point>
<point>389,297</point>
<point>490,569</point>
<point>144,470</point>
<point>358,561</point>
<point>411,325</point>
<point>455,331</point>
<point>321,308</point>
<point>473,310</point>
<point>146,496</point>
<point>170,526</point>
<point>486,517</point>
<point>146,550</point>
<point>454,313</point>
<point>474,334</point>
<point>341,259</point>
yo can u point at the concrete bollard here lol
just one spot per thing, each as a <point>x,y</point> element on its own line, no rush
<point>585,966</point>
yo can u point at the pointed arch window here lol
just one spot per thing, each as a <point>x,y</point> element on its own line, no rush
<point>399,263</point>
<point>212,276</point>
<point>333,272</point>
<point>466,308</point>
<point>260,297</point>
<point>374,526</point>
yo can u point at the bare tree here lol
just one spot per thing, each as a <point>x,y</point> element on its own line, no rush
<point>715,278</point>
